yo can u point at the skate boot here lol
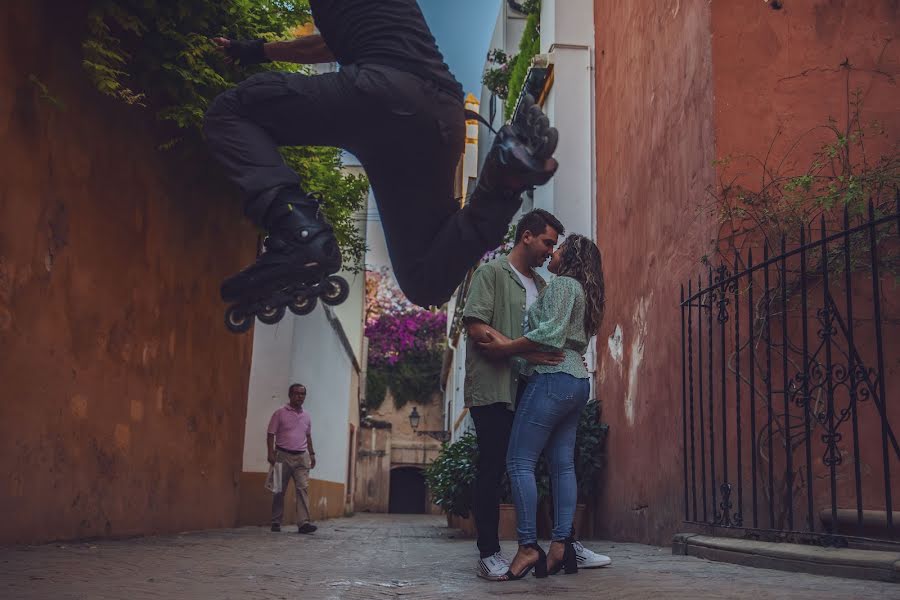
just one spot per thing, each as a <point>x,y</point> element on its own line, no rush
<point>520,159</point>
<point>298,265</point>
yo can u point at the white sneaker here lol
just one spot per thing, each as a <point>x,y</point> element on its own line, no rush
<point>588,559</point>
<point>493,567</point>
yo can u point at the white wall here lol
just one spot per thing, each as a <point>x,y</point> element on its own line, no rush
<point>320,362</point>
<point>303,350</point>
<point>377,253</point>
<point>270,377</point>
<point>567,34</point>
<point>310,350</point>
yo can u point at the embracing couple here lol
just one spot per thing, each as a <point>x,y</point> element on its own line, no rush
<point>526,387</point>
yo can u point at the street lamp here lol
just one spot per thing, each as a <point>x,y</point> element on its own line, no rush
<point>415,418</point>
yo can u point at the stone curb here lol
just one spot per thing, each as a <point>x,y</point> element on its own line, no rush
<point>874,565</point>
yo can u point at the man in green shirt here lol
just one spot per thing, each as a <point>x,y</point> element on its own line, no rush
<point>498,297</point>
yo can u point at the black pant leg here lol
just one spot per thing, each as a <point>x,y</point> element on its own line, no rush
<point>493,424</point>
<point>432,241</point>
<point>408,134</point>
<point>245,125</point>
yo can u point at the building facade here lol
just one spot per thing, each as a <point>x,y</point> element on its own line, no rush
<point>679,86</point>
<point>561,79</point>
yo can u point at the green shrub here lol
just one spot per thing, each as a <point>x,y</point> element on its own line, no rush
<point>529,47</point>
<point>157,55</point>
<point>451,477</point>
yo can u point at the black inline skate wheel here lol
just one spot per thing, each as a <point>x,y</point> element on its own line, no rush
<point>336,289</point>
<point>270,315</point>
<point>236,320</point>
<point>303,305</point>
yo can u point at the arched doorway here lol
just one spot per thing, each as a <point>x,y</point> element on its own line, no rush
<point>408,494</point>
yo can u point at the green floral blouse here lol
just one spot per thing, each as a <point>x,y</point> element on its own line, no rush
<point>556,321</point>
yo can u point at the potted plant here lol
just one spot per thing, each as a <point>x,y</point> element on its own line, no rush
<point>451,479</point>
<point>590,458</point>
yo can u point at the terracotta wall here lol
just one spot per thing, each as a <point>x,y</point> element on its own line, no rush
<point>654,156</point>
<point>123,397</point>
<point>778,75</point>
<point>679,85</point>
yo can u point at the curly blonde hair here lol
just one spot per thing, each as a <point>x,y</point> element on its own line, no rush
<point>581,261</point>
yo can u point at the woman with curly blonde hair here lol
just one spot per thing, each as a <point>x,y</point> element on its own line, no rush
<point>564,317</point>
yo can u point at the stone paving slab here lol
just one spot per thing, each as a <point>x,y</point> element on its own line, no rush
<point>374,557</point>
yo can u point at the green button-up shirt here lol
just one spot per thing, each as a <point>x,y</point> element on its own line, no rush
<point>496,297</point>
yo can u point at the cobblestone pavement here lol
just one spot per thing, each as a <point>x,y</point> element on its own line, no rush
<point>374,557</point>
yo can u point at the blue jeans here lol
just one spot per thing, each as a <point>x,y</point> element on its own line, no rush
<point>546,419</point>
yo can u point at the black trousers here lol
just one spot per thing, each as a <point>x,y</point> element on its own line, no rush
<point>407,133</point>
<point>493,424</point>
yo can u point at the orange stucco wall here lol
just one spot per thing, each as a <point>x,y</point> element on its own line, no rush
<point>680,84</point>
<point>654,157</point>
<point>123,397</point>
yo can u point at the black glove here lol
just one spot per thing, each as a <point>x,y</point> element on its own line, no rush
<point>247,52</point>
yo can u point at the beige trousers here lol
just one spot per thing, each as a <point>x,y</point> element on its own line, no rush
<point>294,466</point>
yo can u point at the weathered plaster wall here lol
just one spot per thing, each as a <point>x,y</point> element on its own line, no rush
<point>779,76</point>
<point>680,84</point>
<point>123,397</point>
<point>654,157</point>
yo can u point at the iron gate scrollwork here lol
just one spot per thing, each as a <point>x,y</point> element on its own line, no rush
<point>786,417</point>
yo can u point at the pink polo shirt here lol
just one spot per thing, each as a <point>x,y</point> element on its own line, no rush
<point>290,428</point>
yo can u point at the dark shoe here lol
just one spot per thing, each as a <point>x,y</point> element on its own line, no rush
<point>276,527</point>
<point>523,150</point>
<point>300,248</point>
<point>569,562</point>
<point>539,566</point>
<point>519,159</point>
<point>306,528</point>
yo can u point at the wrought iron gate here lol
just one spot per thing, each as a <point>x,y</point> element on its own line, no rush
<point>786,370</point>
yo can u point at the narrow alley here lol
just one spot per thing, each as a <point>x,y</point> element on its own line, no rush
<point>373,556</point>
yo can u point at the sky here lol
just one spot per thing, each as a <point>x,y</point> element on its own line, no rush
<point>463,31</point>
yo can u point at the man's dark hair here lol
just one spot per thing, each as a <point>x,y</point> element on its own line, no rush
<point>293,385</point>
<point>536,222</point>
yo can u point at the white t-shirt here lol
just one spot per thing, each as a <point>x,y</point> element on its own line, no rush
<point>531,291</point>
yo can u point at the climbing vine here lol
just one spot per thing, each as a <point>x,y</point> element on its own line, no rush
<point>529,47</point>
<point>157,55</point>
<point>843,173</point>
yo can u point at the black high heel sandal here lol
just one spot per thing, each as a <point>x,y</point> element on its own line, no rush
<point>569,562</point>
<point>539,566</point>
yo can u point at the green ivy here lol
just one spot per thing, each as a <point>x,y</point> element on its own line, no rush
<point>529,47</point>
<point>157,55</point>
<point>416,378</point>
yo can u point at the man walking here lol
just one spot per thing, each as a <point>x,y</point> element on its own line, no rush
<point>498,298</point>
<point>289,442</point>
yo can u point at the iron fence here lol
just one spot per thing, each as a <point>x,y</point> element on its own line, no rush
<point>786,364</point>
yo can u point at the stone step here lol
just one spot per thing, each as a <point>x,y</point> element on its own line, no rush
<point>874,523</point>
<point>874,565</point>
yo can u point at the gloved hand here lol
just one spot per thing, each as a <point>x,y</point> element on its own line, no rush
<point>245,52</point>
